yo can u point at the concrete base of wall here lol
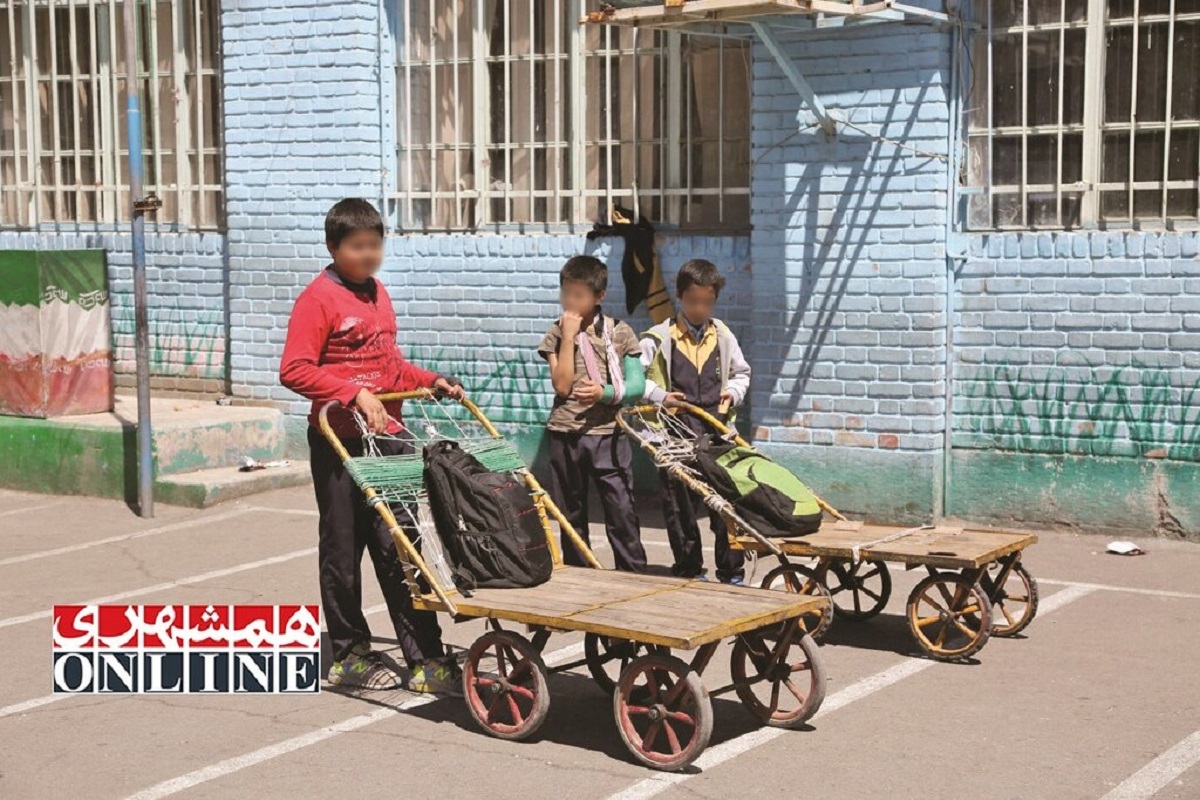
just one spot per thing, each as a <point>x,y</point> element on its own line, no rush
<point>96,454</point>
<point>873,485</point>
<point>1099,495</point>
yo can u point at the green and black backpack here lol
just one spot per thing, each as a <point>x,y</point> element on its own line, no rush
<point>763,493</point>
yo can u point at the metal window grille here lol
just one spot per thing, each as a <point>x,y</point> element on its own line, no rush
<point>511,115</point>
<point>63,139</point>
<point>1085,112</point>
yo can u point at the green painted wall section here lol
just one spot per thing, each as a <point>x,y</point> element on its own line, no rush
<point>1142,496</point>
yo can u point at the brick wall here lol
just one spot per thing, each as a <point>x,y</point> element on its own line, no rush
<point>849,267</point>
<point>186,276</point>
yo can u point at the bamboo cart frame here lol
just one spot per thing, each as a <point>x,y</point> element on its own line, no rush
<point>975,583</point>
<point>629,620</point>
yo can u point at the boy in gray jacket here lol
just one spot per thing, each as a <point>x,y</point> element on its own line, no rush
<point>695,358</point>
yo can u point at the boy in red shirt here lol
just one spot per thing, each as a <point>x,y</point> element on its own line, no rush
<point>341,345</point>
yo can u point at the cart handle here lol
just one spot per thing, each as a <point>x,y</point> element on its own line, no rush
<point>542,497</point>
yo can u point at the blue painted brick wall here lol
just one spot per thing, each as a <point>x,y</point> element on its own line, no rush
<point>185,273</point>
<point>848,244</point>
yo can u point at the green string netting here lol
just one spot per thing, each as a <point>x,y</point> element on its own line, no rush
<point>400,479</point>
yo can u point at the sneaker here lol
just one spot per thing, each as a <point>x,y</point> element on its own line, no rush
<point>437,676</point>
<point>363,668</point>
<point>736,580</point>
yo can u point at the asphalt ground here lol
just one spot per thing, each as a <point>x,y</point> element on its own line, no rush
<point>1099,698</point>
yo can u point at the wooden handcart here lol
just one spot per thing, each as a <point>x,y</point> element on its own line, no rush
<point>976,587</point>
<point>630,621</point>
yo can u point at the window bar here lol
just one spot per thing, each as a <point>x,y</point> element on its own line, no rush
<point>1062,90</point>
<point>454,51</point>
<point>670,127</point>
<point>1025,115</point>
<point>56,196</point>
<point>96,111</point>
<point>431,56</point>
<point>636,116</point>
<point>183,110</point>
<point>507,138</point>
<point>608,121</point>
<point>16,103</point>
<point>1166,171</point>
<point>686,89</point>
<point>721,130</point>
<point>155,103</point>
<point>1133,98</point>
<point>77,142</point>
<point>198,71</point>
<point>991,125</point>
<point>407,188</point>
<point>533,60</point>
<point>112,150</point>
<point>577,135</point>
<point>482,114</point>
<point>34,128</point>
<point>557,108</point>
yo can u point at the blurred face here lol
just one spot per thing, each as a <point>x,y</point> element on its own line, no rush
<point>698,303</point>
<point>579,298</point>
<point>358,256</point>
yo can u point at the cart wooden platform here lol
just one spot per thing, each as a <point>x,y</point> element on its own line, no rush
<point>976,587</point>
<point>631,622</point>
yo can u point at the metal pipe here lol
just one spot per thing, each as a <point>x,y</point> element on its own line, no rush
<point>141,323</point>
<point>952,244</point>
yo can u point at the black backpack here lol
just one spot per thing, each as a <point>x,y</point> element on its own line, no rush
<point>487,521</point>
<point>764,494</point>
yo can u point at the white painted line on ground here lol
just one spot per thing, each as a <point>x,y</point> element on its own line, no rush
<point>303,512</point>
<point>175,526</point>
<point>38,702</point>
<point>1158,774</point>
<point>1128,589</point>
<point>238,763</point>
<point>158,587</point>
<point>27,509</point>
<point>715,756</point>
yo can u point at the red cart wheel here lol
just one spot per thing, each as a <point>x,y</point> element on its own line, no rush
<point>504,682</point>
<point>607,658</point>
<point>1014,604</point>
<point>782,692</point>
<point>950,617</point>
<point>798,579</point>
<point>663,712</point>
<point>860,590</point>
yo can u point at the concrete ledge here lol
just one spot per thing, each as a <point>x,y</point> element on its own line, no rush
<point>1128,496</point>
<point>96,454</point>
<point>208,487</point>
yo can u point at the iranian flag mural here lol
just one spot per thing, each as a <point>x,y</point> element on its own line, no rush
<point>55,345</point>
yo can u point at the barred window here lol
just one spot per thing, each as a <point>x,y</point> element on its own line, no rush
<point>63,138</point>
<point>510,114</point>
<point>1085,113</point>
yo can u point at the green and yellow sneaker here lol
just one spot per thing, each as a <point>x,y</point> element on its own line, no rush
<point>363,668</point>
<point>437,676</point>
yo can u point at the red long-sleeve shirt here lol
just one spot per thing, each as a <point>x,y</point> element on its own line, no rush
<point>342,338</point>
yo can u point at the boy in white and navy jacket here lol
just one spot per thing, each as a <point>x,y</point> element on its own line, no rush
<point>695,358</point>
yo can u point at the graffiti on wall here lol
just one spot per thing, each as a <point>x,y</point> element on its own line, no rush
<point>188,345</point>
<point>512,390</point>
<point>1137,411</point>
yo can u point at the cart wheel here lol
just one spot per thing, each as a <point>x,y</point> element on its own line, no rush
<point>950,616</point>
<point>607,658</point>
<point>1015,603</point>
<point>869,585</point>
<point>504,681</point>
<point>783,693</point>
<point>663,712</point>
<point>799,579</point>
